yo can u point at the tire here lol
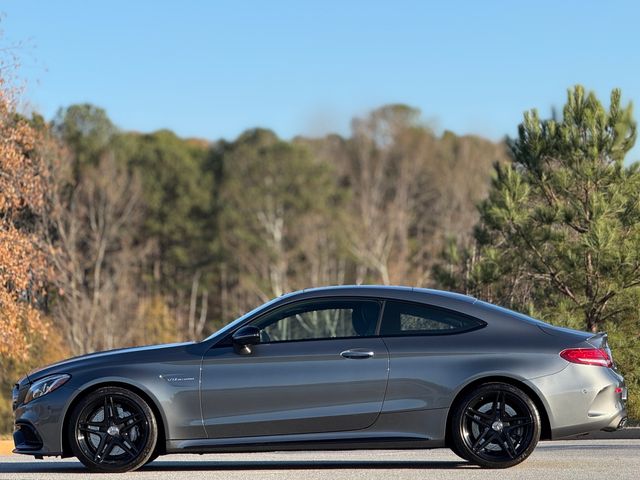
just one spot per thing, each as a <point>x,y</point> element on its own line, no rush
<point>455,450</point>
<point>113,430</point>
<point>495,426</point>
<point>153,456</point>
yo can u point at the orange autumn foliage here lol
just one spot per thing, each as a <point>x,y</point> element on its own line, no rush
<point>23,264</point>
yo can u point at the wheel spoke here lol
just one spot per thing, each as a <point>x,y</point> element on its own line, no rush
<point>495,405</point>
<point>478,413</point>
<point>516,422</point>
<point>505,447</point>
<point>87,425</point>
<point>130,422</point>
<point>114,410</point>
<point>107,409</point>
<point>104,448</point>
<point>87,430</point>
<point>508,446</point>
<point>101,445</point>
<point>483,440</point>
<point>478,417</point>
<point>128,447</point>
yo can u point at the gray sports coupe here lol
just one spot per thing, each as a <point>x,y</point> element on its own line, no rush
<point>331,368</point>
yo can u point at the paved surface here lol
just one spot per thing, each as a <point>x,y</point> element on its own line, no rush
<point>586,459</point>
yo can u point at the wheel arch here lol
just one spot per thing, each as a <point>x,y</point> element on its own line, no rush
<point>545,425</point>
<point>143,393</point>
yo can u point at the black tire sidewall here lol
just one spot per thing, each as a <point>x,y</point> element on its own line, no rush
<point>147,451</point>
<point>461,448</point>
<point>153,457</point>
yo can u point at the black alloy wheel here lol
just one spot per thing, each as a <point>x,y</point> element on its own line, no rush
<point>496,426</point>
<point>113,430</point>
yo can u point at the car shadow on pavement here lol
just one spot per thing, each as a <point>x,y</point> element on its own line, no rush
<point>159,466</point>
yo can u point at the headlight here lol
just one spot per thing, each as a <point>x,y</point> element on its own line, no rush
<point>45,385</point>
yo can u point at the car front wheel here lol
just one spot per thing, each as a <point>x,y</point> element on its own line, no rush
<point>496,426</point>
<point>113,430</point>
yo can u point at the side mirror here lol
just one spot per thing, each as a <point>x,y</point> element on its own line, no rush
<point>244,338</point>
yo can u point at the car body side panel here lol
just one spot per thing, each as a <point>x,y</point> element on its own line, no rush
<point>293,388</point>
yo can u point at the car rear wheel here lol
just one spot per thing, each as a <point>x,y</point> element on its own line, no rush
<point>113,430</point>
<point>495,426</point>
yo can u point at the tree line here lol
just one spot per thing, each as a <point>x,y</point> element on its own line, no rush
<point>149,238</point>
<point>158,237</point>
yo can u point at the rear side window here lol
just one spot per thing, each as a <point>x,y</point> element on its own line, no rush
<point>402,318</point>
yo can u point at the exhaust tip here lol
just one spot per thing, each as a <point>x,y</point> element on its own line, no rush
<point>622,423</point>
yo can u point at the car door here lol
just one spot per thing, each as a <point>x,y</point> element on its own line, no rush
<point>318,368</point>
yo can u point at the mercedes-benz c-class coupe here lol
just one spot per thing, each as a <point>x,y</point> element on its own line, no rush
<point>353,367</point>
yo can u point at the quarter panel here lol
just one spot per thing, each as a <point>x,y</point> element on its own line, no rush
<point>427,372</point>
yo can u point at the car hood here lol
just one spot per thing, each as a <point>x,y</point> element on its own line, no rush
<point>81,360</point>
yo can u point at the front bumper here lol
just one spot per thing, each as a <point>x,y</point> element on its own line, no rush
<point>38,426</point>
<point>26,438</point>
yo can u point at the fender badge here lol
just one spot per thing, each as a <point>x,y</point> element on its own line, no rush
<point>173,378</point>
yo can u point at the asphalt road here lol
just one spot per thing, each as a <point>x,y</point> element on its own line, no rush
<point>584,459</point>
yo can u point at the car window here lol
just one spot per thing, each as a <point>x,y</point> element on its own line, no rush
<point>320,320</point>
<point>402,318</point>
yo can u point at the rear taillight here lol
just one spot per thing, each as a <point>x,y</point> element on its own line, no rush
<point>587,356</point>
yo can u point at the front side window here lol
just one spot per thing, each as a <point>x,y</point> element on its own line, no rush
<point>401,318</point>
<point>320,320</point>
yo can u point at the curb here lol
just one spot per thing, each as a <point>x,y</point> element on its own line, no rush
<point>6,447</point>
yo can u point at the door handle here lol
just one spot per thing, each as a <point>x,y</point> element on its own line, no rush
<point>356,354</point>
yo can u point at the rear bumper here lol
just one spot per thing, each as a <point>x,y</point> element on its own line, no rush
<point>582,399</point>
<point>618,423</point>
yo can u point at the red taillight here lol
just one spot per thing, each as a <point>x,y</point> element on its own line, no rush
<point>587,356</point>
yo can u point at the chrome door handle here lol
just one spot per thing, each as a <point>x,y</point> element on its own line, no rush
<point>356,354</point>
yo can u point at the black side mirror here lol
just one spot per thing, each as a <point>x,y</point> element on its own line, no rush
<point>244,338</point>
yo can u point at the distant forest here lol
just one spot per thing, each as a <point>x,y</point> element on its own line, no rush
<point>176,237</point>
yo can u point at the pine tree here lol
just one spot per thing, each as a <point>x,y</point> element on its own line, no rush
<point>560,231</point>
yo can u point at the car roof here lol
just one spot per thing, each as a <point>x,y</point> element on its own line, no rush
<point>383,291</point>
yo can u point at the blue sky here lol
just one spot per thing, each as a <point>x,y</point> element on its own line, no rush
<point>212,69</point>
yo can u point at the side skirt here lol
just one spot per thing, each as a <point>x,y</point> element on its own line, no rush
<point>256,444</point>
